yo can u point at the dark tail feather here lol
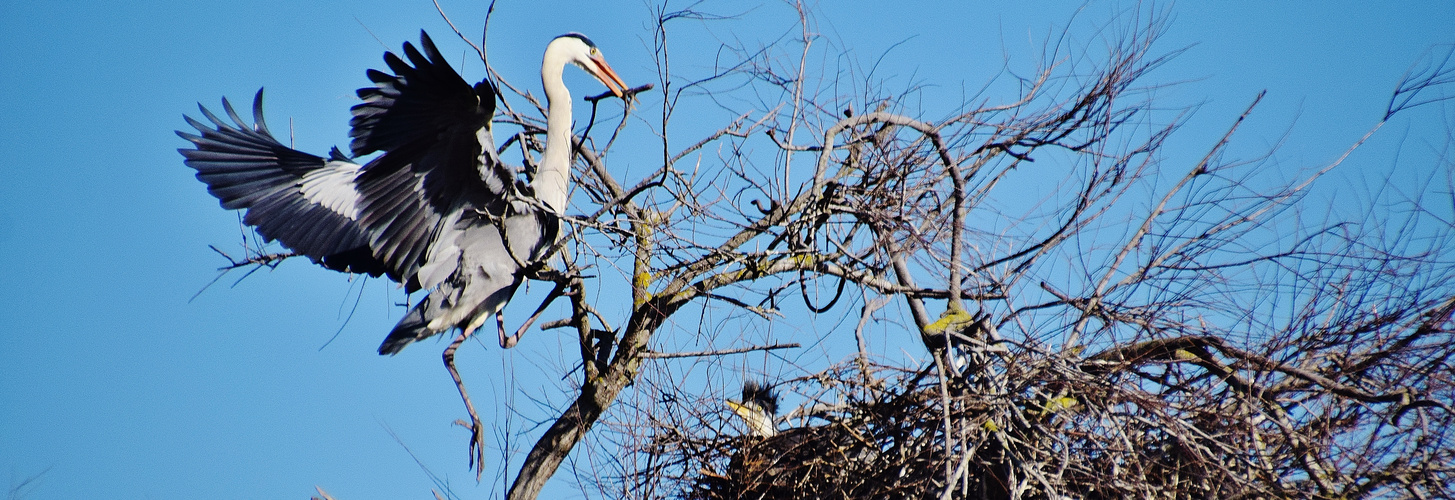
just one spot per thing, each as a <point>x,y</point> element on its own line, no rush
<point>413,326</point>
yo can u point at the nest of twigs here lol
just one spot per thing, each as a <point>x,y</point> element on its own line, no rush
<point>872,444</point>
<point>1166,419</point>
<point>877,450</point>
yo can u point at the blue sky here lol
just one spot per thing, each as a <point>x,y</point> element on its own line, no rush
<point>115,385</point>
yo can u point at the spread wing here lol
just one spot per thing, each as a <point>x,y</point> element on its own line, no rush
<point>306,202</point>
<point>438,168</point>
<point>438,156</point>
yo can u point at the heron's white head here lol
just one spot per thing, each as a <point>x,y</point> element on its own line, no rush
<point>576,49</point>
<point>757,408</point>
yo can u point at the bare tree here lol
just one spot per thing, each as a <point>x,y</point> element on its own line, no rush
<point>1216,335</point>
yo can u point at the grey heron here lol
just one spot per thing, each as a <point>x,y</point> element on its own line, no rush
<point>797,462</point>
<point>757,408</point>
<point>436,211</point>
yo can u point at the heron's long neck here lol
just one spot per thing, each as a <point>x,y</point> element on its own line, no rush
<point>550,182</point>
<point>761,424</point>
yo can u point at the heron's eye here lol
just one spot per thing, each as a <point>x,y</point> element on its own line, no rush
<point>594,51</point>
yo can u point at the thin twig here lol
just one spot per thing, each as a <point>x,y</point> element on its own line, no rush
<point>700,354</point>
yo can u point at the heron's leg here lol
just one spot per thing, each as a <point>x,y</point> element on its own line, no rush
<point>477,430</point>
<point>559,291</point>
<point>500,325</point>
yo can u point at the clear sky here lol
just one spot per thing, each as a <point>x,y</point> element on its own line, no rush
<point>114,385</point>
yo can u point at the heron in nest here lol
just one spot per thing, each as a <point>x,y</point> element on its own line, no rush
<point>757,408</point>
<point>778,464</point>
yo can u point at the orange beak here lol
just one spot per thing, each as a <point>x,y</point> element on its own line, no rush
<point>608,76</point>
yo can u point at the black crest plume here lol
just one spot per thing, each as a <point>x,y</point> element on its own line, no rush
<point>761,394</point>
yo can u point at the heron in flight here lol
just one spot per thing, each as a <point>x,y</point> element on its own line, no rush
<point>437,211</point>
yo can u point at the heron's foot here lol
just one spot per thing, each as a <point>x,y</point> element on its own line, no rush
<point>477,443</point>
<point>543,272</point>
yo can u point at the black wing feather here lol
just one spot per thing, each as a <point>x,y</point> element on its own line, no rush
<point>433,129</point>
<point>438,162</point>
<point>246,168</point>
